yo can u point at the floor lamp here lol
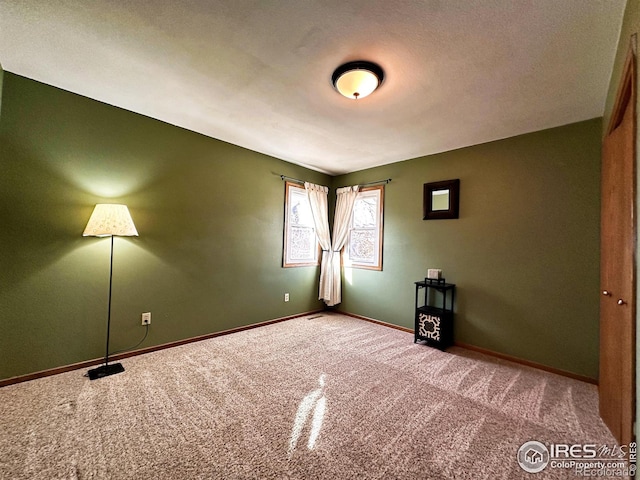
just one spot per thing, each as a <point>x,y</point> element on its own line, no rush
<point>109,220</point>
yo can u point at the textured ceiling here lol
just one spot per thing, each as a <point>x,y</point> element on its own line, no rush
<point>258,73</point>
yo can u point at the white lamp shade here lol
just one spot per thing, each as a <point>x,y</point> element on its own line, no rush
<point>357,83</point>
<point>110,219</point>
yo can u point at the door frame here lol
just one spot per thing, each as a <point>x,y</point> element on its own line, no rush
<point>626,98</point>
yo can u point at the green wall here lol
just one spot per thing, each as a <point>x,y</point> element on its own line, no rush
<point>209,214</point>
<point>1,80</point>
<point>630,27</point>
<point>524,252</point>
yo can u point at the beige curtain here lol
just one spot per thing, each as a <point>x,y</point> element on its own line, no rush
<point>346,197</point>
<point>317,195</point>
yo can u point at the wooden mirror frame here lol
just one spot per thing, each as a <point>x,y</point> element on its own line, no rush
<point>454,200</point>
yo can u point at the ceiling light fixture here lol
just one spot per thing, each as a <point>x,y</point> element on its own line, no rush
<point>357,79</point>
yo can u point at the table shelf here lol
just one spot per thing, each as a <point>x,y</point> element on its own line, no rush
<point>434,318</point>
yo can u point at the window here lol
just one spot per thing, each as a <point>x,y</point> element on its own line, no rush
<point>364,247</point>
<point>300,242</point>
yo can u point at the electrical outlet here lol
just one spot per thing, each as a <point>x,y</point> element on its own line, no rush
<point>286,297</point>
<point>146,318</point>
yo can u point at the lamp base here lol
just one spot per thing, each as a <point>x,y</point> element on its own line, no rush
<point>105,370</point>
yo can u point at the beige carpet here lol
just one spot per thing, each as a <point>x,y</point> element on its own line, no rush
<point>329,397</point>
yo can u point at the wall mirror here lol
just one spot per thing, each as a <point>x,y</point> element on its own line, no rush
<point>441,199</point>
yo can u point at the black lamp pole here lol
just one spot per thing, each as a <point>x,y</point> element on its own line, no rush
<point>106,369</point>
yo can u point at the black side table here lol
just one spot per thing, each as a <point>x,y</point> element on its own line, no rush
<point>434,323</point>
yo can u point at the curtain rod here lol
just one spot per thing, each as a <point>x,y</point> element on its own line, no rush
<point>377,182</point>
<point>385,181</point>
<point>284,177</point>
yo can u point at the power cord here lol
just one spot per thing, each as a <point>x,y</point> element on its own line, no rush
<point>136,345</point>
<point>146,332</point>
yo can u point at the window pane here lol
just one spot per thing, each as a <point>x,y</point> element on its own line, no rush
<point>300,208</point>
<point>365,212</point>
<point>362,246</point>
<point>300,241</point>
<point>302,244</point>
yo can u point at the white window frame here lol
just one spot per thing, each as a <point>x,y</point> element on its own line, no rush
<point>296,195</point>
<point>374,263</point>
